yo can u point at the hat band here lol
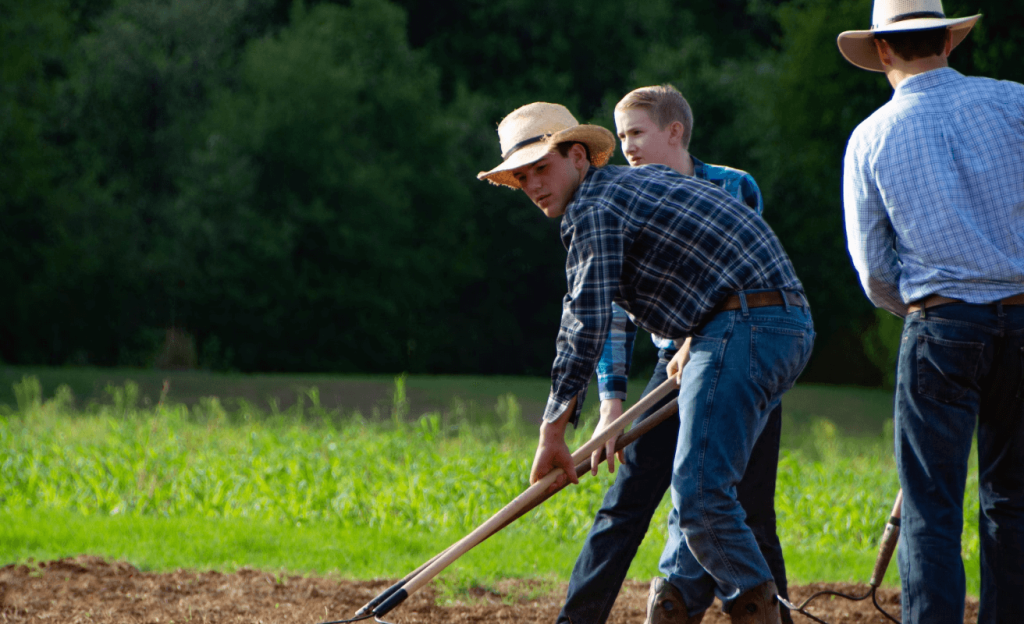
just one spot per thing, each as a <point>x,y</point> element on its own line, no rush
<point>520,145</point>
<point>917,15</point>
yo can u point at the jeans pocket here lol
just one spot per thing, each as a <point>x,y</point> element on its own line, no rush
<point>777,357</point>
<point>946,369</point>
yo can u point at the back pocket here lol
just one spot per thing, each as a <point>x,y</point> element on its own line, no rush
<point>946,369</point>
<point>777,357</point>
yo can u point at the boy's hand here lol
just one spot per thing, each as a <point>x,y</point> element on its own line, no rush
<point>553,452</point>
<point>611,409</point>
<point>679,360</point>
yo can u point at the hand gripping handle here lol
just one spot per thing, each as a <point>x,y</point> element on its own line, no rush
<point>527,498</point>
<point>581,470</point>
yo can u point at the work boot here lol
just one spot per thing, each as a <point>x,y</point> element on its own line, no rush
<point>759,605</point>
<point>665,605</point>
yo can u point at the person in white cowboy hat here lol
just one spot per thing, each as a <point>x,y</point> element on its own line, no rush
<point>933,193</point>
<point>684,259</point>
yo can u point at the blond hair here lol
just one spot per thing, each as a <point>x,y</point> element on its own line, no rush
<point>664,104</point>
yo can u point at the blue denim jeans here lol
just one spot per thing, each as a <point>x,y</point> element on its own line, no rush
<point>640,484</point>
<point>960,366</point>
<point>741,363</point>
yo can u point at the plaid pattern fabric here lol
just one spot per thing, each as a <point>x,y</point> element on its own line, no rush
<point>735,182</point>
<point>933,191</point>
<point>613,367</point>
<point>667,248</point>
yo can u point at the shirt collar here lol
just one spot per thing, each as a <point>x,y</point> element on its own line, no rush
<point>699,168</point>
<point>928,80</point>
<point>583,189</point>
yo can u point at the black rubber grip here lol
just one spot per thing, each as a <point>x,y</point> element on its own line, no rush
<point>381,597</point>
<point>396,599</point>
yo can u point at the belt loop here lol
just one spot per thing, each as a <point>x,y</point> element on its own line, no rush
<point>999,309</point>
<point>785,300</point>
<point>743,303</point>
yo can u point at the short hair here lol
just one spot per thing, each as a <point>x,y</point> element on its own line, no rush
<point>910,45</point>
<point>664,104</point>
<point>564,147</point>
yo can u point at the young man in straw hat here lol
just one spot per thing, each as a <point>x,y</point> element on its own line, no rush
<point>654,125</point>
<point>683,258</point>
<point>933,192</point>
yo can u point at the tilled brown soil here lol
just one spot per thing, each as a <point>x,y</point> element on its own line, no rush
<point>90,590</point>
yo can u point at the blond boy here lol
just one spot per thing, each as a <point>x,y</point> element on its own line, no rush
<point>654,125</point>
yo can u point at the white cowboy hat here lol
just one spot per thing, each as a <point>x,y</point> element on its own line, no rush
<point>529,132</point>
<point>858,46</point>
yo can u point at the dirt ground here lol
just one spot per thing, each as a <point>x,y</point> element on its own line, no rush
<point>91,590</point>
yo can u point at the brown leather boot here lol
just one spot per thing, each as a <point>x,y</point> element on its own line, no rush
<point>665,605</point>
<point>759,605</point>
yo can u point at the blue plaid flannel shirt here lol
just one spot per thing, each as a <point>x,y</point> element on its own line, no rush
<point>933,191</point>
<point>613,367</point>
<point>667,248</point>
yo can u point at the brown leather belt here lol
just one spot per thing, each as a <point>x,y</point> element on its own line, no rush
<point>761,300</point>
<point>936,300</point>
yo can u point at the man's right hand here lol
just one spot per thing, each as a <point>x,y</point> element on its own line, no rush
<point>611,409</point>
<point>553,452</point>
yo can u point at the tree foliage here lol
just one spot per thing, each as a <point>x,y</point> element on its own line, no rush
<point>34,39</point>
<point>292,185</point>
<point>320,204</point>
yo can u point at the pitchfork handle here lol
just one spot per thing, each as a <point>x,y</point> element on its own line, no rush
<point>890,538</point>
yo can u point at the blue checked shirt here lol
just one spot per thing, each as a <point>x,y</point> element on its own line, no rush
<point>667,248</point>
<point>933,191</point>
<point>613,367</point>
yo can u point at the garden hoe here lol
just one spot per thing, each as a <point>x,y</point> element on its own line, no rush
<point>529,499</point>
<point>889,539</point>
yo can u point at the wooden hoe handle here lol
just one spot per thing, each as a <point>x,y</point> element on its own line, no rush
<point>529,499</point>
<point>582,469</point>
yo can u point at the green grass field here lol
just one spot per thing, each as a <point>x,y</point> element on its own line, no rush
<point>227,481</point>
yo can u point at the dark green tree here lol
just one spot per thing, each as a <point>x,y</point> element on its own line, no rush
<point>322,226</point>
<point>497,56</point>
<point>35,38</point>
<point>121,130</point>
<point>803,101</point>
<point>994,47</point>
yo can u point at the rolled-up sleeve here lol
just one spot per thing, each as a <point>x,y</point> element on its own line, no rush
<point>593,267</point>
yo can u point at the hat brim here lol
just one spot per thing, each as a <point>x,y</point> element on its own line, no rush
<point>600,141</point>
<point>858,46</point>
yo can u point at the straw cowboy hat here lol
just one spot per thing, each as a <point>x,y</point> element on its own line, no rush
<point>858,46</point>
<point>529,132</point>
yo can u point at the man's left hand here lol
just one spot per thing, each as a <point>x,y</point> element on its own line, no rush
<point>678,362</point>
